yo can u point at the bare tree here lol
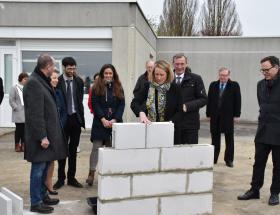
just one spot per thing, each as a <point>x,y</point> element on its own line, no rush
<point>179,18</point>
<point>220,18</point>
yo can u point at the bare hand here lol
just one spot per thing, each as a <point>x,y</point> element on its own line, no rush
<point>236,119</point>
<point>144,118</point>
<point>45,143</point>
<point>105,123</point>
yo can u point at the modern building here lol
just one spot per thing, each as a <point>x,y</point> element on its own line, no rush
<point>117,32</point>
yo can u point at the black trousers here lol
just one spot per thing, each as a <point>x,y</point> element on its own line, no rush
<point>185,136</point>
<point>216,142</point>
<point>72,130</point>
<point>261,155</point>
<point>19,133</point>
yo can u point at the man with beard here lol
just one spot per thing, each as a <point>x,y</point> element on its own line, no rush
<point>73,91</point>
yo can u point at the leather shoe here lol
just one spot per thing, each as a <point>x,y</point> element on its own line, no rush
<point>273,199</point>
<point>229,164</point>
<point>58,184</point>
<point>74,183</point>
<point>249,194</point>
<point>48,201</point>
<point>41,208</point>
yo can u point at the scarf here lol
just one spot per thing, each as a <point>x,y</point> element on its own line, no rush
<point>19,90</point>
<point>156,113</point>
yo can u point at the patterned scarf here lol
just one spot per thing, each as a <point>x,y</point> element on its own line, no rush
<point>150,103</point>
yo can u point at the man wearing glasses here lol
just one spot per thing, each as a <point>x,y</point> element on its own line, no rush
<point>267,138</point>
<point>223,109</point>
<point>73,91</point>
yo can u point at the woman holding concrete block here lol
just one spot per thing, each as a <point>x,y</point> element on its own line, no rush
<point>159,100</point>
<point>108,105</point>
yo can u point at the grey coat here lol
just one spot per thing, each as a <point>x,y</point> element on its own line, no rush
<point>42,120</point>
<point>17,107</point>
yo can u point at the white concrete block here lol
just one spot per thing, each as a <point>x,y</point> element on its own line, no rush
<point>17,201</point>
<point>200,182</point>
<point>159,184</point>
<point>128,135</point>
<point>5,205</point>
<point>186,157</point>
<point>113,161</point>
<point>129,207</point>
<point>160,134</point>
<point>186,205</point>
<point>113,187</point>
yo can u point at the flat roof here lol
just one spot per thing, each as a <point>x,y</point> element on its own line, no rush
<point>70,1</point>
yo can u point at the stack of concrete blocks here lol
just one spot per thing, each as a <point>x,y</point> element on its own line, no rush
<point>10,203</point>
<point>145,174</point>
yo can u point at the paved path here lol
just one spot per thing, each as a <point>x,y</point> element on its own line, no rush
<point>228,182</point>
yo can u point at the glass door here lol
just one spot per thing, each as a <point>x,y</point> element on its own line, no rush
<point>8,73</point>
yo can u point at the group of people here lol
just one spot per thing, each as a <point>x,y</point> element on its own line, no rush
<point>54,116</point>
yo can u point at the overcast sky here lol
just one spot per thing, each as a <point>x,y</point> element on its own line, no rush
<point>258,17</point>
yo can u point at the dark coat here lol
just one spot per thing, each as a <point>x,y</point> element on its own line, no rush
<point>1,90</point>
<point>141,82</point>
<point>173,102</point>
<point>78,95</point>
<point>194,97</point>
<point>221,117</point>
<point>61,106</point>
<point>108,106</point>
<point>268,131</point>
<point>42,120</point>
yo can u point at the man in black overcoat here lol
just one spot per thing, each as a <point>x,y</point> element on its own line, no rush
<point>223,109</point>
<point>267,138</point>
<point>44,139</point>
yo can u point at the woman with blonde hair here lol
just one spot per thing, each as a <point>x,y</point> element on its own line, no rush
<point>159,100</point>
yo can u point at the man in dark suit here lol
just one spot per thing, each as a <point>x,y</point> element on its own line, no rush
<point>223,108</point>
<point>268,132</point>
<point>193,97</point>
<point>73,91</point>
<point>1,91</point>
<point>43,132</point>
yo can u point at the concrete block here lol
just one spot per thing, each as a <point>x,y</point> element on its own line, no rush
<point>17,201</point>
<point>128,135</point>
<point>129,207</point>
<point>200,182</point>
<point>186,204</point>
<point>160,134</point>
<point>159,184</point>
<point>113,161</point>
<point>5,205</point>
<point>113,187</point>
<point>186,157</point>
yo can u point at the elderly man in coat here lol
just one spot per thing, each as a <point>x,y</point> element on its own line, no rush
<point>43,133</point>
<point>223,109</point>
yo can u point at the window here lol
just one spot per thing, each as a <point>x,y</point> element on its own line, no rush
<point>88,62</point>
<point>8,71</point>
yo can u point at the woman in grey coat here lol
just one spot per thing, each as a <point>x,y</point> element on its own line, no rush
<point>17,104</point>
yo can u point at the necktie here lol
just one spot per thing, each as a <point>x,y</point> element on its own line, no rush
<point>69,97</point>
<point>221,89</point>
<point>178,80</point>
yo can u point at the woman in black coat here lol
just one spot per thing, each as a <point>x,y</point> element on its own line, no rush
<point>159,100</point>
<point>108,105</point>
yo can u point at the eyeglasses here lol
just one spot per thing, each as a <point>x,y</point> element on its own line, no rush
<point>71,68</point>
<point>266,70</point>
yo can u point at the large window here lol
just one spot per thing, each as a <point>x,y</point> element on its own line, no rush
<point>88,62</point>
